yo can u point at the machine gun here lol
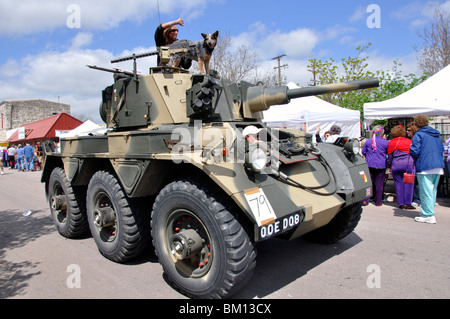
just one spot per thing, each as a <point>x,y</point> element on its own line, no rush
<point>115,71</point>
<point>165,53</point>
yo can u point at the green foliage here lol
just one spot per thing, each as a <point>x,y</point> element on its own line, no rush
<point>392,82</point>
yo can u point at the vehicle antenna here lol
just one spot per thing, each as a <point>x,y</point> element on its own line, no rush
<point>159,13</point>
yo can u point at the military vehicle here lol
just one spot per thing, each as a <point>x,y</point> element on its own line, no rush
<point>174,169</point>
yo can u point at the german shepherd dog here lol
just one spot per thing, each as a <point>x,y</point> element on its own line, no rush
<point>200,51</point>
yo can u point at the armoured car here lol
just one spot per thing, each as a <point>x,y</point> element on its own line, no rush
<point>176,169</point>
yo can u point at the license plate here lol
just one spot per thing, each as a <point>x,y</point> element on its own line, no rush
<point>279,226</point>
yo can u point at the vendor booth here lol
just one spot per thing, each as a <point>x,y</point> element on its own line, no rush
<point>432,98</point>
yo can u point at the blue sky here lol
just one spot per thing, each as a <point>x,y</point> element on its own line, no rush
<point>46,44</point>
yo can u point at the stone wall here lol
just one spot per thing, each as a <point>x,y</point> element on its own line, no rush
<point>14,114</point>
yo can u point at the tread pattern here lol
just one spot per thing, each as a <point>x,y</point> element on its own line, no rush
<point>240,251</point>
<point>76,222</point>
<point>134,222</point>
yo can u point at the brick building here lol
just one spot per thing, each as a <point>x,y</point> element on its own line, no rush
<point>14,114</point>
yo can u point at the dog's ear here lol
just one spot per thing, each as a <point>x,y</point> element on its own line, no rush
<point>204,35</point>
<point>216,34</point>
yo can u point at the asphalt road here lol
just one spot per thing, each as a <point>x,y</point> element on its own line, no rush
<point>389,255</point>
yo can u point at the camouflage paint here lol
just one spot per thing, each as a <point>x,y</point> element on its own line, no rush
<point>157,120</point>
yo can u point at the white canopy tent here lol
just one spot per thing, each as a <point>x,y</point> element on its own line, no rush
<point>85,129</point>
<point>432,98</point>
<point>307,113</point>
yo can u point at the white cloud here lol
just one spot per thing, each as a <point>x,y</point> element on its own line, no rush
<point>358,14</point>
<point>32,16</point>
<point>82,39</point>
<point>418,23</point>
<point>297,71</point>
<point>382,62</point>
<point>27,16</point>
<point>336,31</point>
<point>419,14</point>
<point>268,43</point>
<point>64,75</point>
<point>10,69</point>
<point>296,43</point>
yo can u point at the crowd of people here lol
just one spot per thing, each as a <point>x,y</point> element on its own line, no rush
<point>417,151</point>
<point>23,158</point>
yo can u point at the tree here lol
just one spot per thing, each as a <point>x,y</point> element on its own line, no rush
<point>242,64</point>
<point>352,68</point>
<point>322,72</point>
<point>435,52</point>
<point>392,82</point>
<point>235,66</point>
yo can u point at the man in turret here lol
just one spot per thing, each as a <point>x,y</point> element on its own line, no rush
<point>167,33</point>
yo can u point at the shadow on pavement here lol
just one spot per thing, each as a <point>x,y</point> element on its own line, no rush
<point>16,231</point>
<point>281,262</point>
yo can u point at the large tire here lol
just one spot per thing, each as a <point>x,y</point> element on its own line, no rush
<point>118,224</point>
<point>204,251</point>
<point>67,205</point>
<point>340,226</point>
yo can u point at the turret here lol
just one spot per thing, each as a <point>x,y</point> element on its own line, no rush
<point>172,96</point>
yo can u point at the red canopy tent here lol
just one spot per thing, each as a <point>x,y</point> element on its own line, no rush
<point>45,129</point>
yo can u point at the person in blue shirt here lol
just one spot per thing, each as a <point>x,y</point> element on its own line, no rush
<point>20,158</point>
<point>28,152</point>
<point>427,150</point>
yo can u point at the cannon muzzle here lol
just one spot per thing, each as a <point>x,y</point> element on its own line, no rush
<point>333,88</point>
<point>260,98</point>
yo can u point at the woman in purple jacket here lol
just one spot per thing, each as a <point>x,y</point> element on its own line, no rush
<point>399,161</point>
<point>375,151</point>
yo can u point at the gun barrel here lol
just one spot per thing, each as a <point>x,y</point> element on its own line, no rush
<point>260,98</point>
<point>109,70</point>
<point>135,56</point>
<point>333,88</point>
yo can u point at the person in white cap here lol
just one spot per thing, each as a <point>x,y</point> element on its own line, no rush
<point>251,133</point>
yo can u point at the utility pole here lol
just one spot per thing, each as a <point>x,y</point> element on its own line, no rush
<point>279,67</point>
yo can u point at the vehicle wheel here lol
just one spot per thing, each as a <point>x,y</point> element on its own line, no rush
<point>117,223</point>
<point>204,251</point>
<point>340,226</point>
<point>67,205</point>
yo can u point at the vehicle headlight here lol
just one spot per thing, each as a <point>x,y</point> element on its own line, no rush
<point>352,146</point>
<point>256,159</point>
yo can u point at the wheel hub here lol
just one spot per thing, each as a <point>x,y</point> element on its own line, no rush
<point>185,244</point>
<point>59,202</point>
<point>104,217</point>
